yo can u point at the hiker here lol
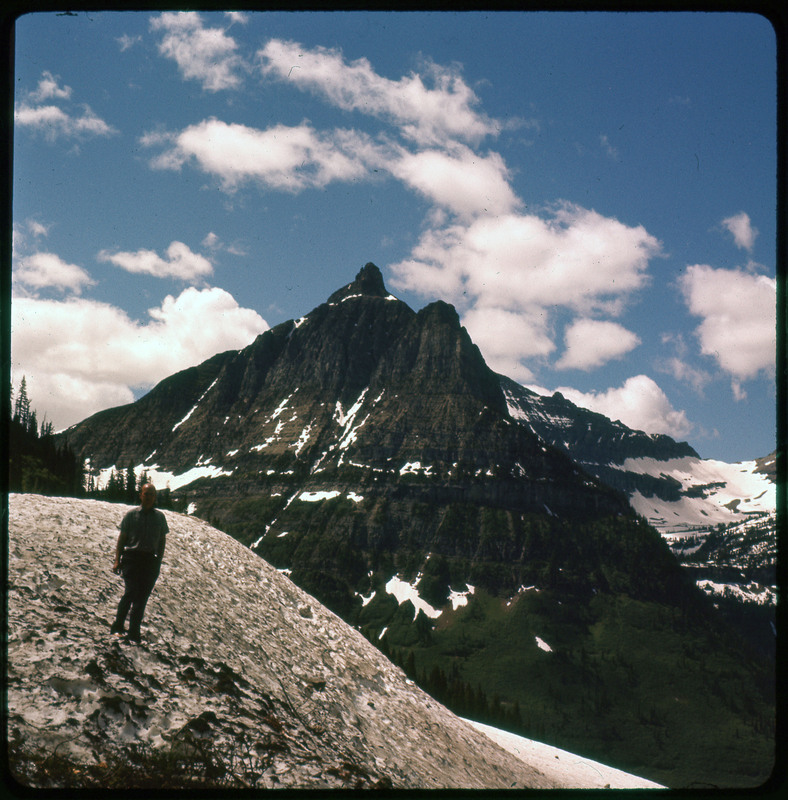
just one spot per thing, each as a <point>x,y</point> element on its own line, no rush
<point>138,555</point>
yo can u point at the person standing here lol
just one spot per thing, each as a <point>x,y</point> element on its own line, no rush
<point>138,556</point>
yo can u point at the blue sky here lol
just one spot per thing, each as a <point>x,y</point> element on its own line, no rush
<point>594,192</point>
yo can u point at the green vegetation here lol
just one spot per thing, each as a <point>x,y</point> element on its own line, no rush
<point>634,684</point>
<point>35,462</point>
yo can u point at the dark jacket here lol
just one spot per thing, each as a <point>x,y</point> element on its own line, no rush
<point>144,532</point>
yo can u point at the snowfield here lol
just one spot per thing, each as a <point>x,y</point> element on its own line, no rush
<point>719,493</point>
<point>235,658</point>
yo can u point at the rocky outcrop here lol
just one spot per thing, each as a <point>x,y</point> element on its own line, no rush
<point>370,452</point>
<point>242,679</point>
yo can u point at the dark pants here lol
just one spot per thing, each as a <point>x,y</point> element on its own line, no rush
<point>140,571</point>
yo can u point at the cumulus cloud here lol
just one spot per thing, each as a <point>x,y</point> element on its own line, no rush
<point>742,230</point>
<point>530,266</point>
<point>207,55</point>
<point>49,271</point>
<point>640,404</point>
<point>49,89</point>
<point>738,313</point>
<point>180,262</point>
<point>282,157</point>
<point>52,120</point>
<point>460,181</point>
<point>424,114</point>
<point>80,356</point>
<point>506,338</point>
<point>591,343</point>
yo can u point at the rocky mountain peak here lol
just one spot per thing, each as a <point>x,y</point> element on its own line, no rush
<point>369,281</point>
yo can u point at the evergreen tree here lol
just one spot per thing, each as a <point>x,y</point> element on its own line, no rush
<point>22,405</point>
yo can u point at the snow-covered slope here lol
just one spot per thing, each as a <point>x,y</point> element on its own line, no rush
<point>666,481</point>
<point>568,770</point>
<point>242,678</point>
<point>711,493</point>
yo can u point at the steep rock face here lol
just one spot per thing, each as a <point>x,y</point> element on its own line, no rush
<point>369,451</point>
<point>242,678</point>
<point>667,481</point>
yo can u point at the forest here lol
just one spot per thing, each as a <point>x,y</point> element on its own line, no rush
<point>37,465</point>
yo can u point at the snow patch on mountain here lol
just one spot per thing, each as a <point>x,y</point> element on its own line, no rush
<point>752,593</point>
<point>460,599</point>
<point>162,478</point>
<point>404,592</point>
<point>712,492</point>
<point>563,767</point>
<point>194,407</point>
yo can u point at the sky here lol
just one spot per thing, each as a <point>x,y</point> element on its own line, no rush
<point>594,192</point>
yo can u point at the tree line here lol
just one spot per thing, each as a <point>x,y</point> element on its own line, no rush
<point>37,464</point>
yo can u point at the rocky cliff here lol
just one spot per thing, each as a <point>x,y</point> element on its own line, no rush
<point>369,451</point>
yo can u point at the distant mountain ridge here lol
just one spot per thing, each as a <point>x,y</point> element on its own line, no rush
<point>370,452</point>
<point>667,481</point>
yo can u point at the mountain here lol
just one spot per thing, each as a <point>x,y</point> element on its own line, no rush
<point>242,679</point>
<point>719,519</point>
<point>368,451</point>
<point>666,481</point>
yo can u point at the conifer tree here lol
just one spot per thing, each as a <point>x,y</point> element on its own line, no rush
<point>22,405</point>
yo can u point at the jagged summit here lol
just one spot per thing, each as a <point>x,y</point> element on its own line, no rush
<point>368,450</point>
<point>369,281</point>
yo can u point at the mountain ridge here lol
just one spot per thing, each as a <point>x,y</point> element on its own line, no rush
<point>370,452</point>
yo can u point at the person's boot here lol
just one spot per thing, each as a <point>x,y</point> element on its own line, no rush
<point>116,629</point>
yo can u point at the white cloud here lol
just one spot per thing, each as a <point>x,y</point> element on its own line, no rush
<point>39,114</point>
<point>180,262</point>
<point>211,241</point>
<point>54,122</point>
<point>578,259</point>
<point>640,404</point>
<point>461,181</point>
<point>506,338</point>
<point>424,115</point>
<point>47,270</point>
<point>204,54</point>
<point>287,158</point>
<point>591,343</point>
<point>48,89</point>
<point>126,42</point>
<point>529,266</point>
<point>743,232</point>
<point>738,311</point>
<point>80,356</point>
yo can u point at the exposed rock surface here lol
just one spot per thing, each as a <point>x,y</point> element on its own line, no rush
<point>370,451</point>
<point>236,662</point>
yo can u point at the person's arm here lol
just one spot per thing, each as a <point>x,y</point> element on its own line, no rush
<point>163,537</point>
<point>120,545</point>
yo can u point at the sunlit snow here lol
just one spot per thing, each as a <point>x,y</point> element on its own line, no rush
<point>314,497</point>
<point>731,492</point>
<point>459,599</point>
<point>414,468</point>
<point>194,407</point>
<point>403,592</point>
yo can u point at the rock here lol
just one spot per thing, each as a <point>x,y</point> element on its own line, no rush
<point>230,686</point>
